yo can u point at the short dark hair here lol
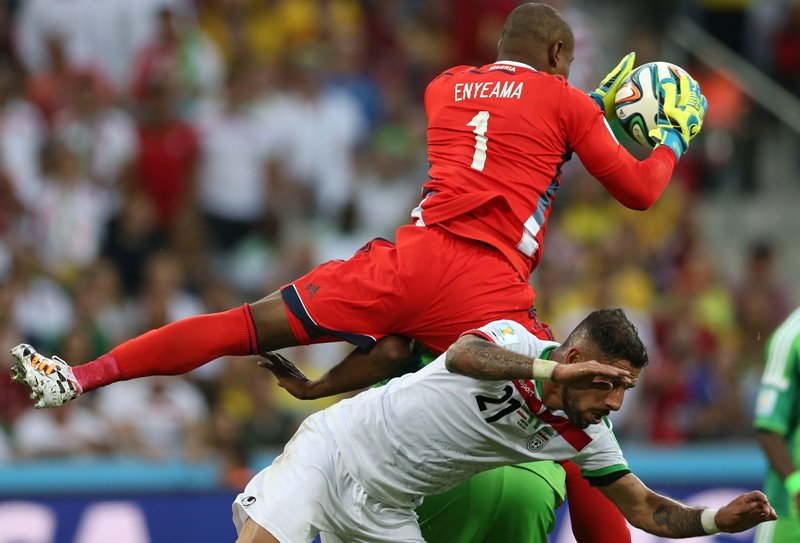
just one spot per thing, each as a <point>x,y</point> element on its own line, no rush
<point>613,335</point>
<point>534,25</point>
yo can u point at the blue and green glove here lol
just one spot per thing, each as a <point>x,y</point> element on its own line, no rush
<point>605,94</point>
<point>680,115</point>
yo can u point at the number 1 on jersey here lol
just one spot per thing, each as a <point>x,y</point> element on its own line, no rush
<point>481,124</point>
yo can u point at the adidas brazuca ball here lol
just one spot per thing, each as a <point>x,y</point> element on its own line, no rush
<point>637,100</point>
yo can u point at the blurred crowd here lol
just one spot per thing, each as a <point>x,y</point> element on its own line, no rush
<point>164,158</point>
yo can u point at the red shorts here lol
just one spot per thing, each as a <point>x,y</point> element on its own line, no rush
<point>430,286</point>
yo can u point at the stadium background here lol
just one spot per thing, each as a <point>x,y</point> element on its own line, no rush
<point>162,158</point>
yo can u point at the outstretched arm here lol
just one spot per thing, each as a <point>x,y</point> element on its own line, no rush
<point>476,357</point>
<point>359,369</point>
<point>665,517</point>
<point>638,184</point>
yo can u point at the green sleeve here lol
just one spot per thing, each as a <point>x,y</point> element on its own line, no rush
<point>777,403</point>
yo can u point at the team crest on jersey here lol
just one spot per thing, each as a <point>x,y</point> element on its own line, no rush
<point>538,440</point>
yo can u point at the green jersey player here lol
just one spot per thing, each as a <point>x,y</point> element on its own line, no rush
<point>487,507</point>
<point>777,422</point>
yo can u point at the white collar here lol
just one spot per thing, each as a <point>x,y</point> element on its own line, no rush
<point>515,63</point>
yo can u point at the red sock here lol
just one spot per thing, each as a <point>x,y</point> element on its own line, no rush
<point>594,518</point>
<point>173,349</point>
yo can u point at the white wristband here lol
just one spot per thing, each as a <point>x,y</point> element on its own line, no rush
<point>543,369</point>
<point>707,520</point>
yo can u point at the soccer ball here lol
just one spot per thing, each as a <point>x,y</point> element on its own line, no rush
<point>637,100</point>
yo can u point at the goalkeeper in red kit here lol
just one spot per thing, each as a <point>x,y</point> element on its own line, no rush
<point>498,136</point>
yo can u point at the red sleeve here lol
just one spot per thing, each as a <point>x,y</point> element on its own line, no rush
<point>637,184</point>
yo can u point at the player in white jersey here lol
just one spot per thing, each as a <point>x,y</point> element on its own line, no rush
<point>355,472</point>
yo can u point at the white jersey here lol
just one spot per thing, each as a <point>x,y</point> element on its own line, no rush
<point>425,432</point>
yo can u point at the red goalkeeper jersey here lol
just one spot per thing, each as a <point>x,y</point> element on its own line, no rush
<point>498,136</point>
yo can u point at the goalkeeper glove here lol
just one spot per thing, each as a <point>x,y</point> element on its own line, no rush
<point>605,94</point>
<point>680,113</point>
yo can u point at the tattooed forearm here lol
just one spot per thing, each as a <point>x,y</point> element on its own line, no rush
<point>676,520</point>
<point>481,359</point>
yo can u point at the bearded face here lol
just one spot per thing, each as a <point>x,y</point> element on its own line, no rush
<point>585,407</point>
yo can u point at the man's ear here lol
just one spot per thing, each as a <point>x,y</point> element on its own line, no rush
<point>573,355</point>
<point>554,53</point>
